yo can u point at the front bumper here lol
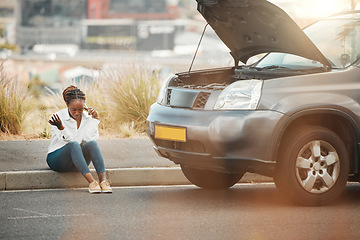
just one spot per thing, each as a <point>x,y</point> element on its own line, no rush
<point>223,141</point>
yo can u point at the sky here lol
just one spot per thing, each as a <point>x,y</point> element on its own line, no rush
<point>312,8</point>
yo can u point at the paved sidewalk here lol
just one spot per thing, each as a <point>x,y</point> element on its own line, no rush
<point>118,153</point>
<point>128,162</point>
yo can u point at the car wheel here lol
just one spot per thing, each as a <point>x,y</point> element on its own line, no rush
<point>313,167</point>
<point>209,179</point>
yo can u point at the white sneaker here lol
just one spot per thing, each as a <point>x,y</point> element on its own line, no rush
<point>94,187</point>
<point>105,186</point>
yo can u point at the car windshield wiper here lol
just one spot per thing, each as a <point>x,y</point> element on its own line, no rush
<point>274,67</point>
<point>271,67</point>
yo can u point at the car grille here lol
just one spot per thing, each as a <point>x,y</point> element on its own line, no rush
<point>201,100</point>
<point>189,146</point>
<point>168,97</point>
<point>199,103</point>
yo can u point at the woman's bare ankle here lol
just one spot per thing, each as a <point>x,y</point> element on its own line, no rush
<point>102,177</point>
<point>89,177</point>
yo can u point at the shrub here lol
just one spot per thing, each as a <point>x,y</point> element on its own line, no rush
<point>132,90</point>
<point>14,104</point>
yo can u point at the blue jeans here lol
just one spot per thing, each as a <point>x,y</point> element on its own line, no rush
<point>74,156</point>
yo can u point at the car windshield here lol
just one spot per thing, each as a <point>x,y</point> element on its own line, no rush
<point>337,38</point>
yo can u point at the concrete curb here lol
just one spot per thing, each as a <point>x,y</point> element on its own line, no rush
<point>48,179</point>
<point>2,181</point>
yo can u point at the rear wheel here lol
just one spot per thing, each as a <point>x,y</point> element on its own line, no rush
<point>313,167</point>
<point>209,179</point>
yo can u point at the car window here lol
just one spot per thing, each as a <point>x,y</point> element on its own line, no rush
<point>338,40</point>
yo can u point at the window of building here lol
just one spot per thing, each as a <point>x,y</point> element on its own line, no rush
<point>138,6</point>
<point>52,13</point>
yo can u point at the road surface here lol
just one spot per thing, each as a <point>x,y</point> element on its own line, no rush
<point>246,211</point>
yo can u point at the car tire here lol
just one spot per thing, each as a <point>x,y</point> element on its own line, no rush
<point>209,179</point>
<point>313,166</point>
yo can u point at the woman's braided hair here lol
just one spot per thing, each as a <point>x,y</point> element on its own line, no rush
<point>72,92</point>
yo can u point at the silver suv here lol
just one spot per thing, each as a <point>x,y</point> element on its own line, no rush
<point>292,115</point>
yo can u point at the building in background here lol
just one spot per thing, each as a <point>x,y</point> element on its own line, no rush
<point>134,9</point>
<point>97,24</point>
<point>7,21</point>
<point>49,22</point>
<point>141,25</point>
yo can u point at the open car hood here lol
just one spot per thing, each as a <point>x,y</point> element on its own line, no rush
<point>251,27</point>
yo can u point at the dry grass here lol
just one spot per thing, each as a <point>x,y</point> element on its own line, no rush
<point>130,93</point>
<point>14,103</point>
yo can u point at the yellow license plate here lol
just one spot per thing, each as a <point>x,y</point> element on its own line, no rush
<point>170,133</point>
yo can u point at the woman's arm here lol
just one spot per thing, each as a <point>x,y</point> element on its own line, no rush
<point>58,130</point>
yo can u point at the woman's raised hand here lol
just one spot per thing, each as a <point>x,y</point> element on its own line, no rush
<point>56,121</point>
<point>92,112</point>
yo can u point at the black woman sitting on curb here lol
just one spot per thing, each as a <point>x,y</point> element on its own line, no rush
<point>73,140</point>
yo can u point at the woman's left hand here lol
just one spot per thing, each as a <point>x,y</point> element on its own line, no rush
<point>92,112</point>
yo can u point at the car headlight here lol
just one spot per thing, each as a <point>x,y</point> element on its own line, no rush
<point>162,93</point>
<point>240,95</point>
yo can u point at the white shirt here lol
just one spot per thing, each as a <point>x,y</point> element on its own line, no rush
<point>87,131</point>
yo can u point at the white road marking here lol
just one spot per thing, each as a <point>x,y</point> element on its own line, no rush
<point>50,216</point>
<point>41,215</point>
<point>28,211</point>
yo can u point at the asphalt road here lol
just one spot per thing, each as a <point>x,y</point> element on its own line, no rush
<point>177,212</point>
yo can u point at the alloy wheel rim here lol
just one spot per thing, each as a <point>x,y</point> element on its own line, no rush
<point>317,167</point>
